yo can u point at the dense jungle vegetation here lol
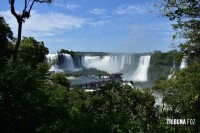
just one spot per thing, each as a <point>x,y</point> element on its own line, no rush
<point>33,102</point>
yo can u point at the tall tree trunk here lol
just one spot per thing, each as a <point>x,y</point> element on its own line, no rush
<point>18,41</point>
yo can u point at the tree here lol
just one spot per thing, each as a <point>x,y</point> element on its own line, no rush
<point>119,108</point>
<point>190,31</point>
<point>181,96</point>
<point>5,31</point>
<point>25,14</point>
<point>179,9</point>
<point>5,35</point>
<point>161,64</point>
<point>32,52</point>
<point>60,79</point>
<point>181,93</point>
<point>22,99</point>
<point>187,14</point>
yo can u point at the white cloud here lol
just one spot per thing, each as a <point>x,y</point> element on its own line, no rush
<point>67,5</point>
<point>98,11</point>
<point>72,6</point>
<point>98,23</point>
<point>44,24</point>
<point>133,9</point>
<point>163,27</point>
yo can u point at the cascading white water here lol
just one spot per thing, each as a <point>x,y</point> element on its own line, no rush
<point>128,60</point>
<point>184,63</point>
<point>60,62</point>
<point>171,73</point>
<point>141,73</point>
<point>125,64</point>
<point>52,58</point>
<point>68,62</point>
<point>111,64</point>
<point>106,63</point>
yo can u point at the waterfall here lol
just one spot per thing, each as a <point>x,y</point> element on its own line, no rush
<point>171,73</point>
<point>110,64</point>
<point>128,60</point>
<point>184,63</point>
<point>51,57</point>
<point>122,63</point>
<point>66,62</point>
<point>141,73</point>
<point>52,60</point>
<point>77,62</point>
<point>60,62</point>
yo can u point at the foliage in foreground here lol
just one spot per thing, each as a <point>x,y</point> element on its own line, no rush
<point>182,97</point>
<point>31,102</point>
<point>187,26</point>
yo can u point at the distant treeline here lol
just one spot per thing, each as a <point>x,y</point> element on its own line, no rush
<point>81,53</point>
<point>161,63</point>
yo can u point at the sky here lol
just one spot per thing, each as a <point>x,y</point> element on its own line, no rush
<point>117,26</point>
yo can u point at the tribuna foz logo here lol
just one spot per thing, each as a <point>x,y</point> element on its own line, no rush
<point>180,121</point>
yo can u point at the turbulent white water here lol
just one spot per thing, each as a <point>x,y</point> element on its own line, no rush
<point>141,73</point>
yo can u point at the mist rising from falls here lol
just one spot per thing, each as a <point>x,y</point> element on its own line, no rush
<point>141,73</point>
<point>106,63</point>
<point>111,64</point>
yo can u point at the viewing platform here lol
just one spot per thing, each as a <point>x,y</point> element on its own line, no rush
<point>115,77</point>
